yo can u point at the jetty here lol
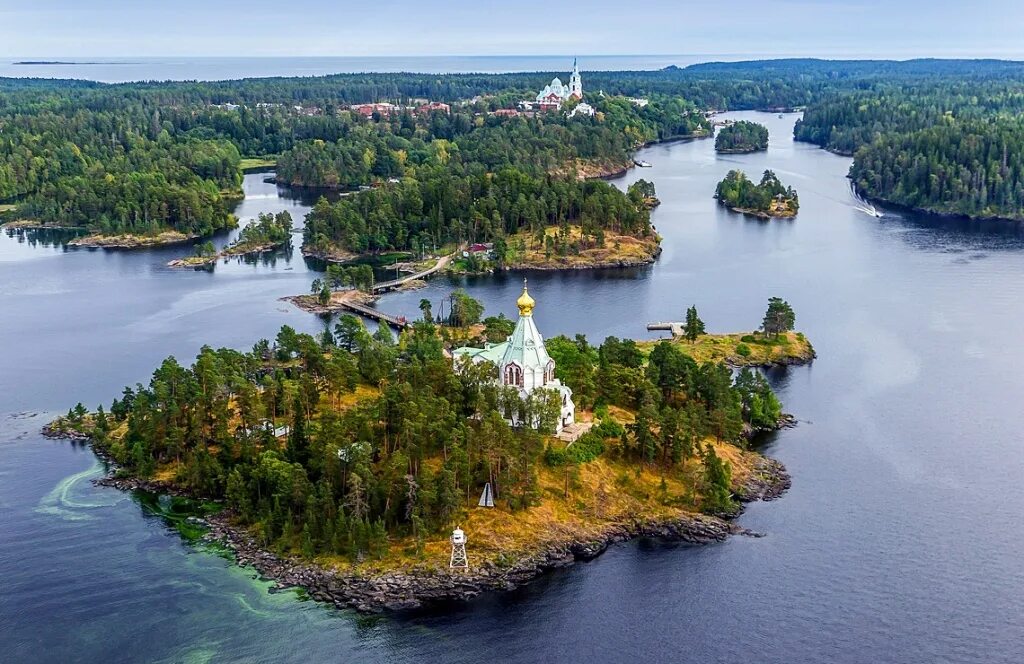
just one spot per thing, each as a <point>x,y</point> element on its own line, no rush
<point>676,328</point>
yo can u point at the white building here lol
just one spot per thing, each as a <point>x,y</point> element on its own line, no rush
<point>582,108</point>
<point>523,361</point>
<point>556,93</point>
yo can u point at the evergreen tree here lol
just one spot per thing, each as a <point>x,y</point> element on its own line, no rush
<point>778,318</point>
<point>694,326</point>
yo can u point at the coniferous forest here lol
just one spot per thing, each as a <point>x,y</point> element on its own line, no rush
<point>340,443</point>
<point>742,136</point>
<point>939,145</point>
<point>147,157</point>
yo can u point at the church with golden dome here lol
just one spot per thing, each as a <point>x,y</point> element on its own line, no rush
<point>523,361</point>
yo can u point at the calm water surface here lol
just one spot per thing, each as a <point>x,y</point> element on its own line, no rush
<point>899,541</point>
<point>120,70</point>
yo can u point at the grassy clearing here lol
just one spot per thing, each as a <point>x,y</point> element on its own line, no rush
<point>753,349</point>
<point>617,250</point>
<point>255,163</point>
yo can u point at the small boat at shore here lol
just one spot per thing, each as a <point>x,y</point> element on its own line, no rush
<point>640,163</point>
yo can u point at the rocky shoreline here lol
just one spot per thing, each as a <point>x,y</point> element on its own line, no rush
<point>788,361</point>
<point>311,304</point>
<point>229,252</point>
<point>396,591</point>
<point>419,587</point>
<point>761,214</point>
<point>131,241</point>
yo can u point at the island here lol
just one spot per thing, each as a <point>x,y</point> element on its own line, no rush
<point>767,199</point>
<point>342,463</point>
<point>741,137</point>
<point>268,232</point>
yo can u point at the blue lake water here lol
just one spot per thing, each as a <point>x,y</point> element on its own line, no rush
<point>899,541</point>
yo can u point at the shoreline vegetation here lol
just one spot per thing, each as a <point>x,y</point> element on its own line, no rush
<point>917,131</point>
<point>766,200</point>
<point>310,452</point>
<point>568,248</point>
<point>266,233</point>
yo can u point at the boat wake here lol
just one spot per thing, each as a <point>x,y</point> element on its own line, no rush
<point>869,209</point>
<point>864,206</point>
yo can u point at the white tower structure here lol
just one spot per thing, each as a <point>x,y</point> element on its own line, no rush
<point>575,82</point>
<point>459,559</point>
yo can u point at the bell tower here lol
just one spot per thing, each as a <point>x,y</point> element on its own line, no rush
<point>575,82</point>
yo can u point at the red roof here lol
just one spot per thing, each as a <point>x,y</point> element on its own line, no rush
<point>434,106</point>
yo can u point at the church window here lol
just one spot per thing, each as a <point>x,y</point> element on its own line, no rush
<point>513,375</point>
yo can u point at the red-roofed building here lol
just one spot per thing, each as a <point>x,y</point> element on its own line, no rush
<point>367,110</point>
<point>434,106</point>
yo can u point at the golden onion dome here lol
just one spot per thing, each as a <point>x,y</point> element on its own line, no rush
<point>525,302</point>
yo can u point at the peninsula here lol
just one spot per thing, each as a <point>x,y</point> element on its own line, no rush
<point>767,199</point>
<point>343,462</point>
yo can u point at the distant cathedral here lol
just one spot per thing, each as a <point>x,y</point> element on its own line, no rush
<point>555,93</point>
<point>523,361</point>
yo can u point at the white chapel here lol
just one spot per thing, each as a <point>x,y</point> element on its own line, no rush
<point>523,361</point>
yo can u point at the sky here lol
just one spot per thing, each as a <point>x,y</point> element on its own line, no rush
<point>826,28</point>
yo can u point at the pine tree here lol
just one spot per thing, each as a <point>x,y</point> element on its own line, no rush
<point>779,318</point>
<point>694,326</point>
<point>717,479</point>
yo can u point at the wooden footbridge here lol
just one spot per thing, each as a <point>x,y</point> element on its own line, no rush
<point>385,286</point>
<point>397,322</point>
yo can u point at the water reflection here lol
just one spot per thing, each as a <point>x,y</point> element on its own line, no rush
<point>44,237</point>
